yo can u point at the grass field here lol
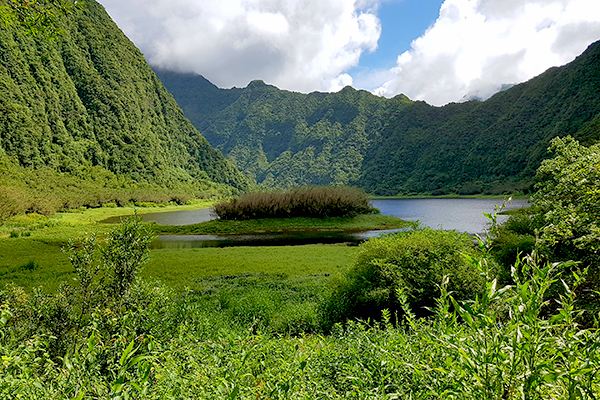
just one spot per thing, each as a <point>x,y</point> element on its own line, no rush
<point>31,255</point>
<point>181,268</point>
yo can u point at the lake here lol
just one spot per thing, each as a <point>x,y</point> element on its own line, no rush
<point>463,215</point>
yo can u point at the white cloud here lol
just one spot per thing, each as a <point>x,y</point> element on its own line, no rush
<point>301,45</point>
<point>340,82</point>
<point>475,46</point>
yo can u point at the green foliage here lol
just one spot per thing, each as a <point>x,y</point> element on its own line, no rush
<point>125,253</point>
<point>414,262</point>
<point>507,247</point>
<point>37,16</point>
<point>46,191</point>
<point>86,118</point>
<point>564,217</point>
<point>274,303</point>
<point>514,238</point>
<point>119,259</point>
<point>505,348</point>
<point>395,146</point>
<point>567,201</point>
<point>308,202</point>
<point>106,277</point>
<point>568,195</point>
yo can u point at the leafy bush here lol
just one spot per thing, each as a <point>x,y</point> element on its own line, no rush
<point>507,247</point>
<point>564,215</point>
<point>315,202</point>
<point>107,279</point>
<point>414,262</point>
<point>515,237</point>
<point>567,196</point>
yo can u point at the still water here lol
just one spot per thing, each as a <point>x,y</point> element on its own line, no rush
<point>464,215</point>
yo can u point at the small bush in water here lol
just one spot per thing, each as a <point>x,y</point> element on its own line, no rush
<point>314,201</point>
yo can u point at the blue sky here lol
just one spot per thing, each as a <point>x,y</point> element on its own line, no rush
<point>432,50</point>
<point>402,21</point>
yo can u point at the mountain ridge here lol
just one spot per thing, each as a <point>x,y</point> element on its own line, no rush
<point>398,146</point>
<point>89,98</point>
<point>85,121</point>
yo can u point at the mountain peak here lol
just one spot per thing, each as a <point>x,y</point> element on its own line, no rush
<point>256,84</point>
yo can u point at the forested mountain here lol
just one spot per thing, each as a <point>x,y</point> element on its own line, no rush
<point>395,146</point>
<point>85,100</point>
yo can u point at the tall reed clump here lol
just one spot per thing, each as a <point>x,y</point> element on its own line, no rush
<point>312,202</point>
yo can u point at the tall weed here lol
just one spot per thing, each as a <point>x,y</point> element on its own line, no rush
<point>314,202</point>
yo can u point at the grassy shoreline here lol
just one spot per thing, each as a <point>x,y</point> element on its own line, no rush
<point>34,259</point>
<point>359,223</point>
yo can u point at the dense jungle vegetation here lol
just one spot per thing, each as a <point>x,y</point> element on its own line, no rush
<point>395,146</point>
<point>81,106</point>
<point>438,317</point>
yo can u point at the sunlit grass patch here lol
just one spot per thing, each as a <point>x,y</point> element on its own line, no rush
<point>180,268</point>
<point>30,263</point>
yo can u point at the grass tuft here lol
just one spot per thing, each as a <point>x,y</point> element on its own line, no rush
<point>314,202</point>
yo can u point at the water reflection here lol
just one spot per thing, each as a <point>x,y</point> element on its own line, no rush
<point>266,239</point>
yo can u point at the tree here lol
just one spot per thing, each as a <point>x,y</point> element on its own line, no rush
<point>568,196</point>
<point>415,263</point>
<point>36,16</point>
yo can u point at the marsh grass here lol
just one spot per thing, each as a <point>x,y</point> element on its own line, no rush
<point>274,303</point>
<point>358,223</point>
<point>176,268</point>
<point>313,202</point>
<point>181,268</point>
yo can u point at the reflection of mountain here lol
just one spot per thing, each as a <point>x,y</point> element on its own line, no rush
<point>392,146</point>
<point>484,94</point>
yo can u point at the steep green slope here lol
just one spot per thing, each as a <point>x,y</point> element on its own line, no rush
<point>392,146</point>
<point>87,101</point>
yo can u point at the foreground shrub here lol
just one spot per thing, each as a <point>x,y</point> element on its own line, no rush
<point>498,346</point>
<point>314,201</point>
<point>107,279</point>
<point>414,262</point>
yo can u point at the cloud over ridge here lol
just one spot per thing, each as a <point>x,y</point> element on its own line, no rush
<point>476,46</point>
<point>473,48</point>
<point>298,45</point>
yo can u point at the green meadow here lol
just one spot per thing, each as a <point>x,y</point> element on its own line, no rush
<point>35,258</point>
